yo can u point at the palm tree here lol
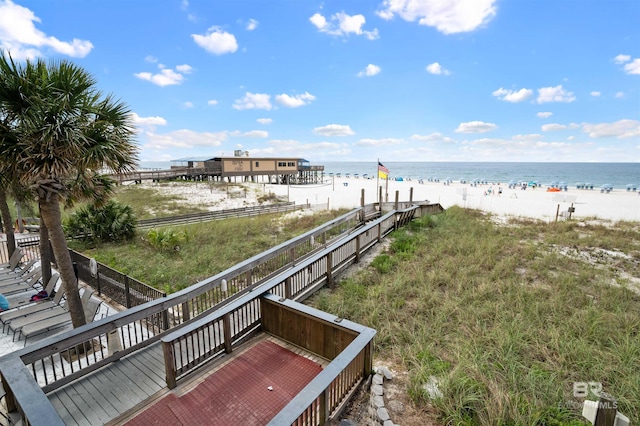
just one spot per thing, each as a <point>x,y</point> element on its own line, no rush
<point>65,133</point>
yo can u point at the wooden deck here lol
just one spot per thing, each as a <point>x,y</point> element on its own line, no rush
<point>133,390</point>
<point>97,398</point>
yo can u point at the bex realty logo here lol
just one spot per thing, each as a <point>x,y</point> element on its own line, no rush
<point>583,389</point>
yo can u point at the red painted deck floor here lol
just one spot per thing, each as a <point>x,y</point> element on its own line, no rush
<point>237,393</point>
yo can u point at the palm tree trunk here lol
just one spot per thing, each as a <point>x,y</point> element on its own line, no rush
<point>50,213</point>
<point>45,252</point>
<point>6,220</point>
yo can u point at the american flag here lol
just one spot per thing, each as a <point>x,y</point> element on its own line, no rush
<point>383,172</point>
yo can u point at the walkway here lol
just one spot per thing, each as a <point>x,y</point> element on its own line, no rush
<point>248,390</point>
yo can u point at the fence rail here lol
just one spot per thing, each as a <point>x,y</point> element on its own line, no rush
<point>219,215</point>
<point>121,288</point>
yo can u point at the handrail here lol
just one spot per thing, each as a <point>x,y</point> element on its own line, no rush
<point>288,285</point>
<point>147,323</point>
<point>218,214</point>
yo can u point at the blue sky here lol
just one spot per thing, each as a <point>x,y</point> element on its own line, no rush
<point>398,80</point>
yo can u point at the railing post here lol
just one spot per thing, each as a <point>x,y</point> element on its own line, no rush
<point>607,411</point>
<point>98,279</point>
<point>368,361</point>
<point>411,195</point>
<point>358,248</point>
<point>165,316</point>
<point>186,316</point>
<point>287,287</point>
<point>126,291</point>
<point>330,269</point>
<point>10,400</point>
<point>395,205</point>
<point>323,409</point>
<point>169,364</point>
<point>226,328</point>
<point>379,232</point>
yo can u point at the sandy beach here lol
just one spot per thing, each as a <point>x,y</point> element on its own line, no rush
<point>346,193</point>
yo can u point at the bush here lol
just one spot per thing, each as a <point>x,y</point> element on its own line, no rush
<point>111,222</point>
<point>166,239</point>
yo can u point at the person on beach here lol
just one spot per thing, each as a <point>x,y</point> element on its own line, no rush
<point>4,303</point>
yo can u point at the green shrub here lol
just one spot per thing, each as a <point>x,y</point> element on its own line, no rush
<point>166,239</point>
<point>109,223</point>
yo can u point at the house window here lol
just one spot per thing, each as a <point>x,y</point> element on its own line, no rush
<point>257,164</point>
<point>282,164</point>
<point>291,164</point>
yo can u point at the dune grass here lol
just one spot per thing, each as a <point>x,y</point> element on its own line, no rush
<point>201,250</point>
<point>505,317</point>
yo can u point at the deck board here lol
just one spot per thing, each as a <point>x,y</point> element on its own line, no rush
<point>98,397</point>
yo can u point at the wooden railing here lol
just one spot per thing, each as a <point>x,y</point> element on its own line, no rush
<point>219,215</point>
<point>119,287</point>
<point>310,261</point>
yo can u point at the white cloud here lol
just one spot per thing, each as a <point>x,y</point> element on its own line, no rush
<point>619,95</point>
<point>552,127</point>
<point>619,129</point>
<point>19,35</point>
<point>621,59</point>
<point>476,127</point>
<point>188,104</point>
<point>265,120</point>
<point>595,93</point>
<point>151,59</point>
<point>433,137</point>
<point>319,21</point>
<point>436,68</point>
<point>544,114</point>
<point>513,95</point>
<point>184,69</point>
<point>166,76</point>
<point>212,102</point>
<point>633,67</point>
<point>448,17</point>
<point>255,134</point>
<point>147,122</point>
<point>531,137</point>
<point>334,130</point>
<point>554,94</point>
<point>379,142</point>
<point>216,41</point>
<point>369,70</point>
<point>252,25</point>
<point>253,101</point>
<point>184,139</point>
<point>296,100</point>
<point>343,25</point>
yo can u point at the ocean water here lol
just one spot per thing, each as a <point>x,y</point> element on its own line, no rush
<point>619,175</point>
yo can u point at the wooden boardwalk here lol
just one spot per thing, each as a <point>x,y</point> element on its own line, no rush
<point>103,395</point>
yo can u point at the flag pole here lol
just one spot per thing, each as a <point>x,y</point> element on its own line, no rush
<point>378,181</point>
<point>386,189</point>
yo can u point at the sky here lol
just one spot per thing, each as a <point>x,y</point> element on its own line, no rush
<point>395,80</point>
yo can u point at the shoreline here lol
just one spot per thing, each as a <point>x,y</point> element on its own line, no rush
<point>535,203</point>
